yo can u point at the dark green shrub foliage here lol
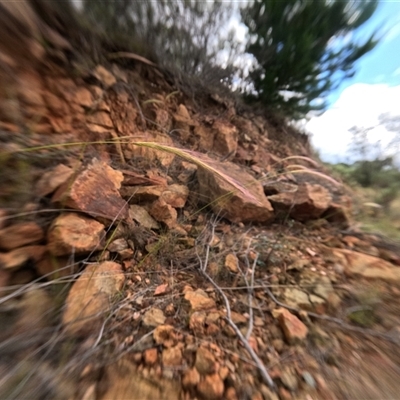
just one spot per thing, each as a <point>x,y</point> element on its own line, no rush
<point>302,49</point>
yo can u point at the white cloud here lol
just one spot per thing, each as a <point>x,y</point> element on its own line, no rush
<point>360,105</point>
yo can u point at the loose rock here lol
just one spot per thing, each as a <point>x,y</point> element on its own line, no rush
<point>73,233</point>
<point>150,356</point>
<point>308,202</point>
<point>191,378</point>
<point>127,383</point>
<point>94,190</point>
<point>231,263</point>
<point>172,356</point>
<point>52,179</point>
<point>141,216</point>
<point>205,361</point>
<point>199,300</point>
<point>165,335</point>
<point>20,234</point>
<point>163,212</point>
<point>90,296</point>
<point>293,329</point>
<point>211,387</point>
<point>154,317</point>
<point>13,259</point>
<point>225,138</point>
<point>361,264</point>
<point>175,195</point>
<point>104,76</point>
<point>230,202</point>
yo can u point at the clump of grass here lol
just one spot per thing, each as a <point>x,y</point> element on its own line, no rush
<point>363,317</point>
<point>301,169</point>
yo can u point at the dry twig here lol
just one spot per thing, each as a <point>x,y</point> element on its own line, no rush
<point>203,266</point>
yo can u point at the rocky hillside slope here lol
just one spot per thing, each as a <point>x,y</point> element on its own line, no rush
<point>155,245</point>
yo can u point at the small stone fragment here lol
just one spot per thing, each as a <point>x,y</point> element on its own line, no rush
<point>104,76</point>
<point>142,194</point>
<point>293,329</point>
<point>165,335</point>
<point>212,317</point>
<point>13,259</point>
<point>253,343</point>
<point>90,393</point>
<point>191,378</point>
<point>284,394</point>
<point>52,179</point>
<point>150,356</point>
<point>142,217</point>
<point>197,321</point>
<point>232,262</point>
<point>117,245</point>
<point>289,379</point>
<point>308,378</point>
<point>297,298</point>
<point>268,394</point>
<point>225,138</point>
<point>125,382</point>
<point>161,289</point>
<point>230,394</point>
<point>100,118</point>
<point>188,171</point>
<point>205,361</point>
<point>182,122</point>
<point>238,318</point>
<point>223,372</point>
<point>16,258</point>
<point>154,317</point>
<point>278,345</point>
<point>163,212</point>
<point>211,387</point>
<point>83,97</point>
<point>323,288</point>
<point>172,357</point>
<point>175,195</point>
<point>257,396</point>
<point>170,310</point>
<point>199,300</point>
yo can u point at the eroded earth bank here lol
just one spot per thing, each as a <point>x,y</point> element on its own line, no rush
<point>161,245</point>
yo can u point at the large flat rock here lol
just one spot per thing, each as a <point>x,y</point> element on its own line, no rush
<point>248,205</point>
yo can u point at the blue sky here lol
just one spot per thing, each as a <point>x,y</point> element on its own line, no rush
<point>374,89</point>
<point>383,63</point>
